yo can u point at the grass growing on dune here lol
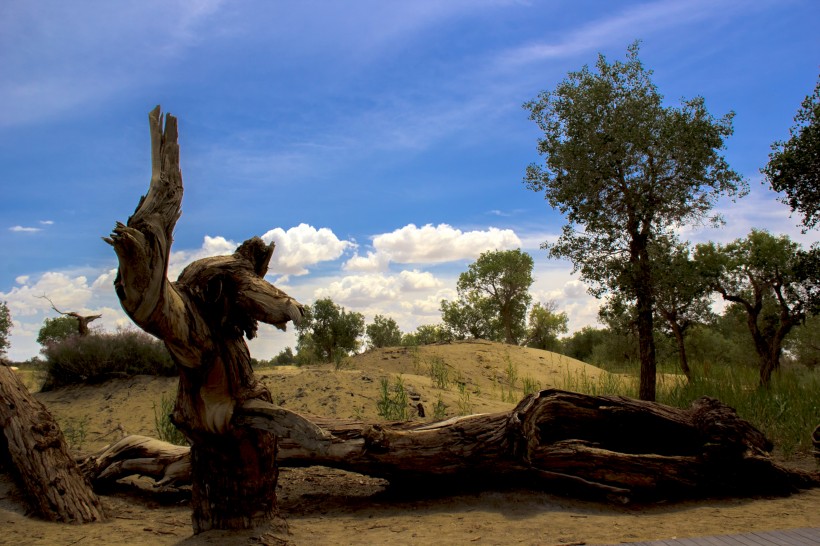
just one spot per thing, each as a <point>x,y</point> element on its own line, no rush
<point>608,383</point>
<point>786,412</point>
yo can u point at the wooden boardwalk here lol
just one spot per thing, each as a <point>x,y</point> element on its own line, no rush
<point>790,537</point>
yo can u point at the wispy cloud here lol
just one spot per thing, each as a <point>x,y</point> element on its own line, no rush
<point>623,27</point>
<point>23,229</point>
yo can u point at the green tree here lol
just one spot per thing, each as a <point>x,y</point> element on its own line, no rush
<point>619,344</point>
<point>284,358</point>
<point>502,279</point>
<point>471,316</point>
<point>56,329</point>
<point>758,274</point>
<point>427,334</point>
<point>383,332</point>
<point>5,328</point>
<point>625,169</point>
<point>682,293</point>
<point>581,344</point>
<point>804,342</point>
<point>544,326</point>
<point>794,165</point>
<point>329,331</point>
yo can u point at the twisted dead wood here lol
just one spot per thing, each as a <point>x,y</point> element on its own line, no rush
<point>603,446</point>
<point>51,481</point>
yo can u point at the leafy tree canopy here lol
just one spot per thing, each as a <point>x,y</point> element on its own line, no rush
<point>762,274</point>
<point>328,330</point>
<point>497,284</point>
<point>471,316</point>
<point>56,329</point>
<point>625,169</point>
<point>5,327</point>
<point>383,332</point>
<point>545,324</point>
<point>427,334</point>
<point>794,165</point>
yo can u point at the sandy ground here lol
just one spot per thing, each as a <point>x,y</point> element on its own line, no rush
<point>325,506</point>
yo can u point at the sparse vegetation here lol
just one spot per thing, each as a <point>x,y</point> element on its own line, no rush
<point>439,373</point>
<point>393,402</point>
<point>75,431</point>
<point>439,409</point>
<point>465,406</point>
<point>166,430</point>
<point>511,371</point>
<point>530,385</point>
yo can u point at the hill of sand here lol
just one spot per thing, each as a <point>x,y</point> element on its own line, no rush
<point>326,506</point>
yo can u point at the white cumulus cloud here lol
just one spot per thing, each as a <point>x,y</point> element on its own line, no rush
<point>303,246</point>
<point>432,244</point>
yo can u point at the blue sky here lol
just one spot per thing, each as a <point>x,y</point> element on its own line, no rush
<point>381,144</point>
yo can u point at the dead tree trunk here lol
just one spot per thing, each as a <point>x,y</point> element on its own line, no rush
<point>82,320</point>
<point>605,446</point>
<point>203,318</point>
<point>52,481</point>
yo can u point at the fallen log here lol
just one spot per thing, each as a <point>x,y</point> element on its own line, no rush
<point>50,479</point>
<point>608,447</point>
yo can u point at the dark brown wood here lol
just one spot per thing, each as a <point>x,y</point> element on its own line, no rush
<point>53,483</point>
<point>203,319</point>
<point>815,440</point>
<point>602,446</point>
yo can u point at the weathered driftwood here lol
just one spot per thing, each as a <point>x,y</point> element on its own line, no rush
<point>606,446</point>
<point>53,483</point>
<point>203,319</point>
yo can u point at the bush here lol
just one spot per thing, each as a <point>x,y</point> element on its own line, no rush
<point>93,358</point>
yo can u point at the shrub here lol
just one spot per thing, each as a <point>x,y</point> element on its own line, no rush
<point>81,359</point>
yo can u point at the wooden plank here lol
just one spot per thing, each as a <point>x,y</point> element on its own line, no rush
<point>710,541</point>
<point>788,537</point>
<point>802,537</point>
<point>775,538</point>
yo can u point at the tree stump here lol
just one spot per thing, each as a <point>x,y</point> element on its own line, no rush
<point>53,483</point>
<point>203,319</point>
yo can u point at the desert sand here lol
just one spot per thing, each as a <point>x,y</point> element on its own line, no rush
<point>325,506</point>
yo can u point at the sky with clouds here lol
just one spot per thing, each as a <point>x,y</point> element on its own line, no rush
<point>380,144</point>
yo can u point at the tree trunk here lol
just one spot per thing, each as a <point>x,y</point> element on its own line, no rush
<point>56,488</point>
<point>203,319</point>
<point>642,286</point>
<point>677,331</point>
<point>559,441</point>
